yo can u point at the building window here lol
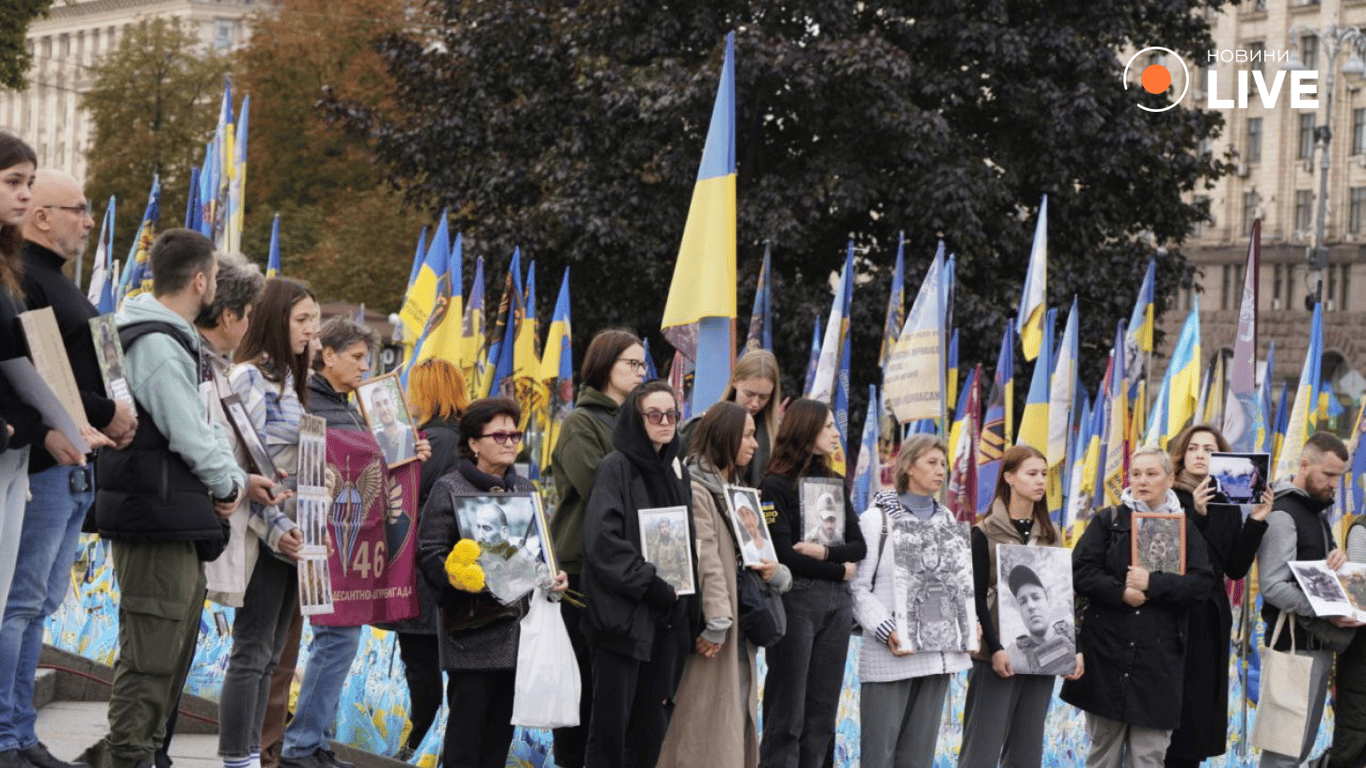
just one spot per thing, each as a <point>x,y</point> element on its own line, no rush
<point>1254,140</point>
<point>1277,284</point>
<point>1305,149</point>
<point>223,30</point>
<point>1198,230</point>
<point>1304,209</point>
<point>1309,51</point>
<point>1249,209</point>
<point>1227,277</point>
<point>1356,218</point>
<point>1257,51</point>
<point>1331,288</point>
<point>1345,286</point>
<point>1359,131</point>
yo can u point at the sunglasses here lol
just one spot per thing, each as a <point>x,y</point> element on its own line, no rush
<point>662,417</point>
<point>504,438</point>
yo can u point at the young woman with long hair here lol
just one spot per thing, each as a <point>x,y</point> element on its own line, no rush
<point>806,667</point>
<point>271,380</point>
<point>1010,686</point>
<point>756,385</point>
<point>1232,545</point>
<point>715,719</point>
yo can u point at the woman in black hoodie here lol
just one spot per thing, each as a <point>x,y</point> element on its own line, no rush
<point>638,629</point>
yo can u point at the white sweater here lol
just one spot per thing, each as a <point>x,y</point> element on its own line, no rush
<point>872,608</point>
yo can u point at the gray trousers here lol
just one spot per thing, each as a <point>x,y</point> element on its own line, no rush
<point>900,720</point>
<point>1120,745</point>
<point>1003,719</point>
<point>259,632</point>
<point>13,499</point>
<point>1318,691</point>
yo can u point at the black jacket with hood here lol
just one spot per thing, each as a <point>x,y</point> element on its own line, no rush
<point>626,599</point>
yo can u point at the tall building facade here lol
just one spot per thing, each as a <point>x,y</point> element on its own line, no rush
<point>1276,151</point>
<point>70,41</point>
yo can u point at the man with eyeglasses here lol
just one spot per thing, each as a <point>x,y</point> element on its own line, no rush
<point>61,486</point>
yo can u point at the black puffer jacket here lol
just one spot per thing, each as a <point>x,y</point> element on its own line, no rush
<point>325,401</point>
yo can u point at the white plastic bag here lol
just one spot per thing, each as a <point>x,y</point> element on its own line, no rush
<point>546,694</point>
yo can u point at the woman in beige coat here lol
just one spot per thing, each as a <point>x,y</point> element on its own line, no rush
<point>715,709</point>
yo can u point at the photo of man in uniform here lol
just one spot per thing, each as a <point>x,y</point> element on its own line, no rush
<point>1048,647</point>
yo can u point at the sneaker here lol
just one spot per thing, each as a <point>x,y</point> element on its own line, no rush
<point>39,757</point>
<point>329,759</point>
<point>13,758</point>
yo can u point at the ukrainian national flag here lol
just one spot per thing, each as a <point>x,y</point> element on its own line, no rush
<point>473,341</point>
<point>1299,424</point>
<point>1116,423</point>
<point>1184,376</point>
<point>1034,299</point>
<point>1034,423</point>
<point>700,312</point>
<point>1139,341</point>
<point>761,316</point>
<point>273,262</point>
<point>417,260</point>
<point>137,268</point>
<point>1282,423</point>
<point>996,426</point>
<point>504,341</point>
<point>530,392</point>
<point>1078,503</point>
<point>951,370</point>
<point>421,296</point>
<point>557,368</point>
<point>237,182</point>
<point>441,336</point>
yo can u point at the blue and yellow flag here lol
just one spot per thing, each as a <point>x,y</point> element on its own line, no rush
<point>839,461</point>
<point>1034,298</point>
<point>896,306</point>
<point>1139,341</point>
<point>1116,424</point>
<point>137,277</point>
<point>441,333</point>
<point>557,368</point>
<point>869,468</point>
<point>473,340</point>
<point>421,295</point>
<point>951,370</point>
<point>913,380</point>
<point>417,260</point>
<point>504,338</point>
<point>1282,424</point>
<point>1183,381</point>
<point>761,316</point>
<point>996,425</point>
<point>1300,422</point>
<point>699,314</point>
<point>237,181</point>
<point>273,262</point>
<point>836,332</point>
<point>1034,422</point>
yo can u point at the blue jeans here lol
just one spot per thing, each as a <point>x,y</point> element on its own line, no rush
<point>42,576</point>
<point>329,662</point>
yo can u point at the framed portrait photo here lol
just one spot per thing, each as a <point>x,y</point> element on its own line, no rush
<point>511,536</point>
<point>1034,599</point>
<point>822,502</point>
<point>1158,542</point>
<point>748,524</point>
<point>664,543</point>
<point>250,439</point>
<point>109,354</point>
<point>386,415</point>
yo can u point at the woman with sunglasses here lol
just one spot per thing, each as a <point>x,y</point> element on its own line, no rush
<point>637,627</point>
<point>806,667</point>
<point>613,366</point>
<point>479,634</point>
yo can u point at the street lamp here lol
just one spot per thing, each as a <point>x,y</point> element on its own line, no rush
<point>1332,41</point>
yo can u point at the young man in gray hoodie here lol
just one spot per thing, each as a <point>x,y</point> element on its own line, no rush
<point>162,500</point>
<point>1298,529</point>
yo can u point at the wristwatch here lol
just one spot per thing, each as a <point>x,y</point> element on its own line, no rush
<point>231,498</point>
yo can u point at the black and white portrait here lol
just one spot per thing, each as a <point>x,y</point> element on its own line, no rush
<point>932,586</point>
<point>509,536</point>
<point>315,587</point>
<point>822,500</point>
<point>386,413</point>
<point>1034,601</point>
<point>664,543</point>
<point>1321,586</point>
<point>312,452</point>
<point>1159,542</point>
<point>1238,478</point>
<point>747,523</point>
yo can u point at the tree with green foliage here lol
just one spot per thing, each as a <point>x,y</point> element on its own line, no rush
<point>15,16</point>
<point>154,105</point>
<point>575,130</point>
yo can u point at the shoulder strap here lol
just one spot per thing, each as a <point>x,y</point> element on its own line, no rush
<point>881,501</point>
<point>129,334</point>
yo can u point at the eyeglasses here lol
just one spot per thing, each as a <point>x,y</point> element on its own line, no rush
<point>504,438</point>
<point>662,417</point>
<point>636,365</point>
<point>79,210</point>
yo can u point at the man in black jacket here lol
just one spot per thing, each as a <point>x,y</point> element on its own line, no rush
<point>1297,529</point>
<point>55,233</point>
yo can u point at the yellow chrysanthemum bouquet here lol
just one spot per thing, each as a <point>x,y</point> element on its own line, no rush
<point>462,570</point>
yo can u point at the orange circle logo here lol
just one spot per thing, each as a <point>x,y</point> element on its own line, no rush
<point>1156,79</point>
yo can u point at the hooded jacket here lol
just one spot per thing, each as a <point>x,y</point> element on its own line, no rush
<point>335,407</point>
<point>148,490</point>
<point>585,438</point>
<point>626,598</point>
<point>1297,529</point>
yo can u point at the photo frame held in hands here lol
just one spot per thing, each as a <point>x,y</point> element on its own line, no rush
<point>664,542</point>
<point>512,536</point>
<point>1158,542</point>
<point>387,417</point>
<point>748,525</point>
<point>247,435</point>
<point>822,503</point>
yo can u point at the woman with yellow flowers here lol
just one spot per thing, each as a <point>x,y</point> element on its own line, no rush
<point>478,633</point>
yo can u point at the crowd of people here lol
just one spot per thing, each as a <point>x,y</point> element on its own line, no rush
<point>668,675</point>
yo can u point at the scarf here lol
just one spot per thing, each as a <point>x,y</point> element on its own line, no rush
<point>1187,480</point>
<point>486,482</point>
<point>666,484</point>
<point>1170,505</point>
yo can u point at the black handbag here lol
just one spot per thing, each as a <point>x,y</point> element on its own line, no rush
<point>763,620</point>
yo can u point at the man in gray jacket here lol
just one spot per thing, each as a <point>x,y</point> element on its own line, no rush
<point>1298,529</point>
<point>160,500</point>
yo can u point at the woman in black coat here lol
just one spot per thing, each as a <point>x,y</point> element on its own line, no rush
<point>638,629</point>
<point>1133,629</point>
<point>1231,545</point>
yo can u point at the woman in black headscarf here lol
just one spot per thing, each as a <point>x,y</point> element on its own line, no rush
<point>638,629</point>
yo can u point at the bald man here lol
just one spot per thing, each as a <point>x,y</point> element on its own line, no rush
<point>62,487</point>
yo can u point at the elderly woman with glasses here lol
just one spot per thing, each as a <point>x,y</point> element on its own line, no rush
<point>479,635</point>
<point>637,626</point>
